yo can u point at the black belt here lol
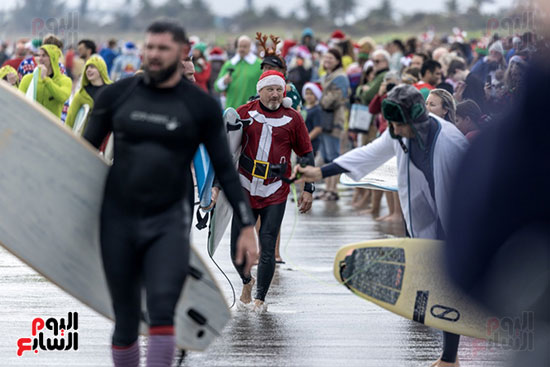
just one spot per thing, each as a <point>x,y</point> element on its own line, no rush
<point>261,169</point>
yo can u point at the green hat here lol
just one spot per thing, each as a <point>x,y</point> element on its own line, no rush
<point>37,42</point>
<point>201,46</point>
<point>404,105</point>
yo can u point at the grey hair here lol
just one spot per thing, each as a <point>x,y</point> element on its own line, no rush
<point>384,53</point>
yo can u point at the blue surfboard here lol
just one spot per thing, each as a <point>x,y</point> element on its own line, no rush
<point>204,174</point>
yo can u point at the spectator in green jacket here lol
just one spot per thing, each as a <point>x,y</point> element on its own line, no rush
<point>239,75</point>
<point>53,88</point>
<point>366,93</point>
<point>381,60</point>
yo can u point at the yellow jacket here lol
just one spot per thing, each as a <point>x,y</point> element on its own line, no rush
<point>82,97</point>
<point>54,90</point>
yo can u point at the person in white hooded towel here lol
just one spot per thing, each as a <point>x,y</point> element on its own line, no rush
<point>428,149</point>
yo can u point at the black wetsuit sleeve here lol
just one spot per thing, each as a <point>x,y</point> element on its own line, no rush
<point>101,123</point>
<point>332,169</point>
<point>215,141</point>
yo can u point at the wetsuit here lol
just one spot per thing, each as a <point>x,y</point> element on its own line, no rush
<point>145,211</point>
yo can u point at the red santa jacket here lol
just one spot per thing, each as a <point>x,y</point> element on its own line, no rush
<point>271,137</point>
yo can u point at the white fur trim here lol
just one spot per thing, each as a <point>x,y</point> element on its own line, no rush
<point>270,80</point>
<point>249,59</point>
<point>287,102</point>
<point>314,88</point>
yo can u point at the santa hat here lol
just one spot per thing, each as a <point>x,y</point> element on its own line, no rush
<point>315,88</point>
<point>272,77</point>
<point>338,35</point>
<point>217,53</point>
<point>321,48</point>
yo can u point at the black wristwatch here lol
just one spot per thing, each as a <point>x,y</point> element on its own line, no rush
<point>309,187</point>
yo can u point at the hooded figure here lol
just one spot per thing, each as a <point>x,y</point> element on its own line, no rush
<point>425,162</point>
<point>53,90</point>
<point>87,92</point>
<point>428,149</point>
<point>7,70</point>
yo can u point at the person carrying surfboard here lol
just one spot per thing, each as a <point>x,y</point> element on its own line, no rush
<point>94,78</point>
<point>267,142</point>
<point>53,88</point>
<point>158,120</point>
<point>428,149</point>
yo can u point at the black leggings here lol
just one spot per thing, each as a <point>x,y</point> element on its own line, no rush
<point>150,250</point>
<point>271,218</point>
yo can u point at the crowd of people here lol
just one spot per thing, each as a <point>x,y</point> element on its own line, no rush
<point>421,98</point>
<point>468,83</point>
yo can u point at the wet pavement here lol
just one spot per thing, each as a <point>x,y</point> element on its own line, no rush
<point>311,321</point>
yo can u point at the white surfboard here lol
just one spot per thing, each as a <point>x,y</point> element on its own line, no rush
<point>109,152</point>
<point>222,212</point>
<point>383,178</point>
<point>31,91</point>
<point>80,119</point>
<point>51,188</point>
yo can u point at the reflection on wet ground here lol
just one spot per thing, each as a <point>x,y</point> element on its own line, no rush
<point>311,321</point>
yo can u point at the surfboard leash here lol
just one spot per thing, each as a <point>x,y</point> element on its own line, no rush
<point>309,274</point>
<point>226,277</point>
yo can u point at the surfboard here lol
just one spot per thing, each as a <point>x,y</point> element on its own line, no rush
<point>204,173</point>
<point>31,91</point>
<point>109,151</point>
<point>51,188</point>
<point>222,212</point>
<point>383,178</point>
<point>406,276</point>
<point>80,119</point>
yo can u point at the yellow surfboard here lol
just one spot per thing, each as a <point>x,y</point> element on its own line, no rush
<point>406,276</point>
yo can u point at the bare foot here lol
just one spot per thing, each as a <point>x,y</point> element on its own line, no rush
<point>382,218</point>
<point>260,306</point>
<point>374,211</point>
<point>440,363</point>
<point>363,202</point>
<point>393,218</point>
<point>246,294</point>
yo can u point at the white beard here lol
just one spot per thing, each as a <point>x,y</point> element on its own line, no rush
<point>273,105</point>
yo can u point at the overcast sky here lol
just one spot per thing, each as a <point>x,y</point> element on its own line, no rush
<point>230,7</point>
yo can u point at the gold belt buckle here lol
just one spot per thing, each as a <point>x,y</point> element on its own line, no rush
<point>266,164</point>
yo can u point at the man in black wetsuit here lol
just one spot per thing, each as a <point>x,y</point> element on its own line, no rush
<point>158,120</point>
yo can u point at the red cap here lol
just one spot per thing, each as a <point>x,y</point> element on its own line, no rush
<point>338,34</point>
<point>216,51</point>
